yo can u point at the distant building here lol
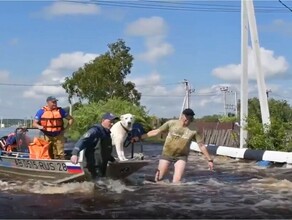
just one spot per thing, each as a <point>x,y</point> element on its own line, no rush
<point>2,125</point>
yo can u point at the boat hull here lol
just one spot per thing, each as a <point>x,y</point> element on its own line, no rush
<point>60,171</point>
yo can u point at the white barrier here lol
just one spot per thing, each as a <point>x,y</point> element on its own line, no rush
<point>244,153</point>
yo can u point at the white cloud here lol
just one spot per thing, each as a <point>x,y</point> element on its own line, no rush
<point>147,27</point>
<point>154,30</point>
<point>154,53</point>
<point>70,8</point>
<point>271,66</point>
<point>67,61</point>
<point>4,75</point>
<point>278,26</point>
<point>55,73</point>
<point>159,99</point>
<point>165,101</point>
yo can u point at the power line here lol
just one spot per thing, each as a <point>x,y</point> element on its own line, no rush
<point>285,6</point>
<point>171,96</point>
<point>152,85</point>
<point>179,6</point>
<point>21,84</point>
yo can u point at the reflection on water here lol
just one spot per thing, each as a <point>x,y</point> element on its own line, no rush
<point>236,189</point>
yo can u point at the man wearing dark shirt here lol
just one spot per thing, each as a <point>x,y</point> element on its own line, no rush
<point>97,144</point>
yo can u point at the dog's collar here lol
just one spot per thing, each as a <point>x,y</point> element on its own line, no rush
<point>127,130</point>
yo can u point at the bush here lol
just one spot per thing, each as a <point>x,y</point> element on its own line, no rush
<point>87,115</point>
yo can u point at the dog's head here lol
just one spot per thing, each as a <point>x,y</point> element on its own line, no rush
<point>127,120</point>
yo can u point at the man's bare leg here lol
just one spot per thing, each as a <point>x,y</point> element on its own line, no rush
<point>179,168</point>
<point>162,169</point>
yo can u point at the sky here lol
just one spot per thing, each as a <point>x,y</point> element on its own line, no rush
<point>42,42</point>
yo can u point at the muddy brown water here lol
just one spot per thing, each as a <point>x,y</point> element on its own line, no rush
<point>234,190</point>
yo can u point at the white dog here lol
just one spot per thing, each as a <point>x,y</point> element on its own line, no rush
<point>119,133</point>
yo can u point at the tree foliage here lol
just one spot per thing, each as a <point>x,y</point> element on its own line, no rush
<point>87,115</point>
<point>218,118</point>
<point>104,77</point>
<point>210,118</point>
<point>278,135</point>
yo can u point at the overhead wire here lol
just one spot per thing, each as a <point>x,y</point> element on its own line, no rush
<point>286,6</point>
<point>180,6</point>
<point>60,84</point>
<point>144,85</point>
<point>22,84</point>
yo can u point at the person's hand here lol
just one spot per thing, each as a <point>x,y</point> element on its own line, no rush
<point>135,139</point>
<point>112,162</point>
<point>74,159</point>
<point>211,164</point>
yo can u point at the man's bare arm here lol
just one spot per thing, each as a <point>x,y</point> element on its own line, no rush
<point>207,155</point>
<point>70,121</point>
<point>36,124</point>
<point>151,133</point>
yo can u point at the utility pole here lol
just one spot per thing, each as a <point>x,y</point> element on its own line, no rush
<point>224,89</point>
<point>229,105</point>
<point>248,23</point>
<point>260,75</point>
<point>188,91</point>
<point>244,75</point>
<point>268,92</point>
<point>235,104</point>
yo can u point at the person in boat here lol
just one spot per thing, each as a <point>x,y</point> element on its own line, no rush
<point>3,142</point>
<point>11,143</point>
<point>17,141</point>
<point>177,145</point>
<point>97,143</point>
<point>50,120</point>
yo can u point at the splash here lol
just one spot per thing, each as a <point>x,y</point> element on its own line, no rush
<point>116,186</point>
<point>39,187</point>
<point>80,187</point>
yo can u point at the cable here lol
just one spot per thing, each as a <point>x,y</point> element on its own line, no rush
<point>285,6</point>
<point>171,96</point>
<point>178,6</point>
<point>20,84</point>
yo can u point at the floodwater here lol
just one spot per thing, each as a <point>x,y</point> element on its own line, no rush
<point>235,189</point>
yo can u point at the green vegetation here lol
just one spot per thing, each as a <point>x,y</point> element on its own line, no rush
<point>89,114</point>
<point>278,136</point>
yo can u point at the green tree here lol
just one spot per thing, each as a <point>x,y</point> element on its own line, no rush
<point>104,77</point>
<point>89,114</point>
<point>278,136</point>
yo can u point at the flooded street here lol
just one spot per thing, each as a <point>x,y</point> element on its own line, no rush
<point>235,189</point>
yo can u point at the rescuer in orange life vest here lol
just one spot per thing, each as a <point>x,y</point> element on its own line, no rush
<point>49,120</point>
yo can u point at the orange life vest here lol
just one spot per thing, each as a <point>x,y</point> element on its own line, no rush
<point>52,120</point>
<point>39,149</point>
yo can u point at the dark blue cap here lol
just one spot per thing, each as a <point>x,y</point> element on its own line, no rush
<point>109,116</point>
<point>52,98</point>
